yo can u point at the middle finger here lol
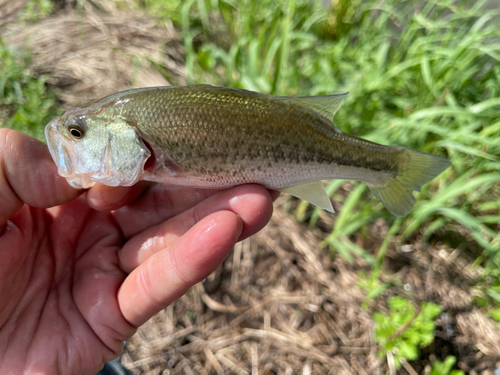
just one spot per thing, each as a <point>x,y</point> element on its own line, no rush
<point>252,203</point>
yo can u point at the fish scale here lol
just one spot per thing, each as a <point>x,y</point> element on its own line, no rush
<point>214,137</point>
<point>241,130</point>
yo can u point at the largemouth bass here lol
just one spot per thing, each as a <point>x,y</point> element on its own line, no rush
<point>214,137</point>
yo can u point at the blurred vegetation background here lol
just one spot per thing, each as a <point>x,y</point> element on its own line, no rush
<point>421,74</point>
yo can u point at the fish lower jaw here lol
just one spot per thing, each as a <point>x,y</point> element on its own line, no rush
<point>86,182</point>
<point>80,183</point>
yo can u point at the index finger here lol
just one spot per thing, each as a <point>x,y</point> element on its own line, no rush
<point>28,175</point>
<point>157,204</point>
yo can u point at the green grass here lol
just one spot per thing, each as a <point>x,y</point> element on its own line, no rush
<point>25,102</point>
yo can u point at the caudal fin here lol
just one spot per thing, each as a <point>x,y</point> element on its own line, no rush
<point>419,169</point>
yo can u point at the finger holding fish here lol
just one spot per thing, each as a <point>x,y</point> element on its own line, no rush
<point>168,273</point>
<point>251,203</point>
<point>156,204</point>
<point>20,183</point>
<point>107,198</point>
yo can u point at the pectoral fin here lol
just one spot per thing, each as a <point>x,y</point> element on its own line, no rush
<point>313,192</point>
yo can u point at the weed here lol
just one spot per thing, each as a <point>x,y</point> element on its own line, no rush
<point>25,104</point>
<point>35,10</point>
<point>405,329</point>
<point>445,367</point>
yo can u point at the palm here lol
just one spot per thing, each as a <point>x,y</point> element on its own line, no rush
<point>76,282</point>
<point>63,295</point>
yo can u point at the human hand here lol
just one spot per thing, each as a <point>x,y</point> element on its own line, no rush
<point>77,279</point>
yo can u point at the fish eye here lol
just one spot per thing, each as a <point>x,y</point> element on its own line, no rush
<point>76,131</point>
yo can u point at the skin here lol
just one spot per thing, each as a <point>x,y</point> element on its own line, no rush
<point>80,271</point>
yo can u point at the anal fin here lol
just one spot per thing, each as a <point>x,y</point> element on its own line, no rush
<point>313,192</point>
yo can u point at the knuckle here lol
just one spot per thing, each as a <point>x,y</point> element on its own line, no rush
<point>196,214</point>
<point>177,268</point>
<point>162,200</point>
<point>146,284</point>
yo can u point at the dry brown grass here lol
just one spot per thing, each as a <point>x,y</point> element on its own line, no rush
<point>90,54</point>
<point>278,304</point>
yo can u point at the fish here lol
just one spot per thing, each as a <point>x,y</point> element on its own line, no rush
<point>214,137</point>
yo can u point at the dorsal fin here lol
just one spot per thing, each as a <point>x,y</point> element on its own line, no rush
<point>323,105</point>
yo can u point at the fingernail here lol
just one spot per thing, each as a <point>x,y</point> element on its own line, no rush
<point>241,225</point>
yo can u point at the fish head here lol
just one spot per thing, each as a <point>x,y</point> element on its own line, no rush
<point>92,145</point>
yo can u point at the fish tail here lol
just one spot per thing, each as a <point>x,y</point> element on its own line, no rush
<point>418,168</point>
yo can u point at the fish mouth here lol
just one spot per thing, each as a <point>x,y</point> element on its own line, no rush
<point>65,158</point>
<point>118,160</point>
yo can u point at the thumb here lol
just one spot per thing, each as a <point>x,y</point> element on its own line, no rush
<point>28,175</point>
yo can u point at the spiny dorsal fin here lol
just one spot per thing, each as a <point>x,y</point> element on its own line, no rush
<point>323,105</point>
<point>313,192</point>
